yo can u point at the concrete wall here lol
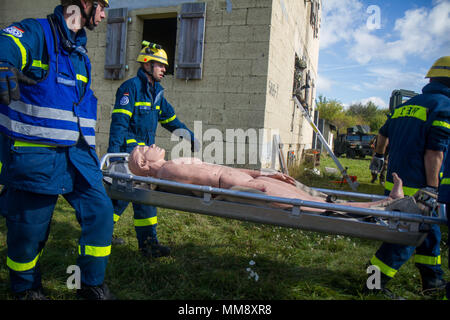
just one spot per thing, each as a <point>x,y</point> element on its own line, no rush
<point>291,34</point>
<point>248,67</point>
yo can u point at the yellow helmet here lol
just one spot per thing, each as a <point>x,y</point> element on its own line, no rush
<point>152,52</point>
<point>440,69</point>
<point>105,3</point>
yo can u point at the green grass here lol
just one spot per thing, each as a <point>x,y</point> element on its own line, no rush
<point>211,255</point>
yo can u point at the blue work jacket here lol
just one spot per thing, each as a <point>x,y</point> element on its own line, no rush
<point>43,148</point>
<point>23,46</point>
<point>421,123</point>
<point>52,111</point>
<point>138,109</point>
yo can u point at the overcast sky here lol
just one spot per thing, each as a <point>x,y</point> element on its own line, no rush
<point>369,48</point>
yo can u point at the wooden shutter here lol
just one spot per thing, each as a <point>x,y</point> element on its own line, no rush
<point>116,43</point>
<point>191,40</point>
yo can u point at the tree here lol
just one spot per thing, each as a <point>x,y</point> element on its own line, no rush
<point>342,121</point>
<point>364,114</point>
<point>378,120</point>
<point>369,114</point>
<point>329,109</point>
<point>365,111</point>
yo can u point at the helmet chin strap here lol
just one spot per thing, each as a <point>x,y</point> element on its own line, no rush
<point>90,25</point>
<point>150,73</point>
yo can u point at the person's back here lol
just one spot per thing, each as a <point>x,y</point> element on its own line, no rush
<point>411,130</point>
<point>417,133</point>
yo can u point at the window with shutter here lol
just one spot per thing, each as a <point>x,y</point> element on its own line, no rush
<point>116,43</point>
<point>191,40</point>
<point>163,31</point>
<point>314,17</point>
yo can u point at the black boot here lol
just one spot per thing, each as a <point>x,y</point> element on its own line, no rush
<point>374,178</point>
<point>432,285</point>
<point>31,294</point>
<point>153,249</point>
<point>100,292</point>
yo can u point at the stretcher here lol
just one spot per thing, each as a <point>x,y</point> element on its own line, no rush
<point>404,228</point>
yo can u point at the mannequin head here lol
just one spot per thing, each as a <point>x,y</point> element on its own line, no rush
<point>146,160</point>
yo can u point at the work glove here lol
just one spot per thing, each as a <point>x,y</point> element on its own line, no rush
<point>426,199</point>
<point>377,163</point>
<point>9,83</point>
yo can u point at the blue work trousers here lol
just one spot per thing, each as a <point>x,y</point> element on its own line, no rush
<point>390,257</point>
<point>145,221</point>
<point>28,216</point>
<point>447,207</point>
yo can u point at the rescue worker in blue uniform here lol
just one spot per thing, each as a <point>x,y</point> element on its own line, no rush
<point>47,145</point>
<point>139,107</point>
<point>444,197</point>
<point>418,133</point>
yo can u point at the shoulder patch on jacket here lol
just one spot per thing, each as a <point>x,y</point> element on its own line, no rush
<point>15,31</point>
<point>124,100</point>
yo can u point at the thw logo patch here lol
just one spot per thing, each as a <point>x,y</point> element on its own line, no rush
<point>15,31</point>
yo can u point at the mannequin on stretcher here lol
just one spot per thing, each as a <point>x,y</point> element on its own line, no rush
<point>149,161</point>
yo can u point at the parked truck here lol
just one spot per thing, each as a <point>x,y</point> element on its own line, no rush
<point>355,143</point>
<point>400,96</point>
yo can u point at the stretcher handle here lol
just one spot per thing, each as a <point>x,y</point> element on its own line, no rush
<point>105,161</point>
